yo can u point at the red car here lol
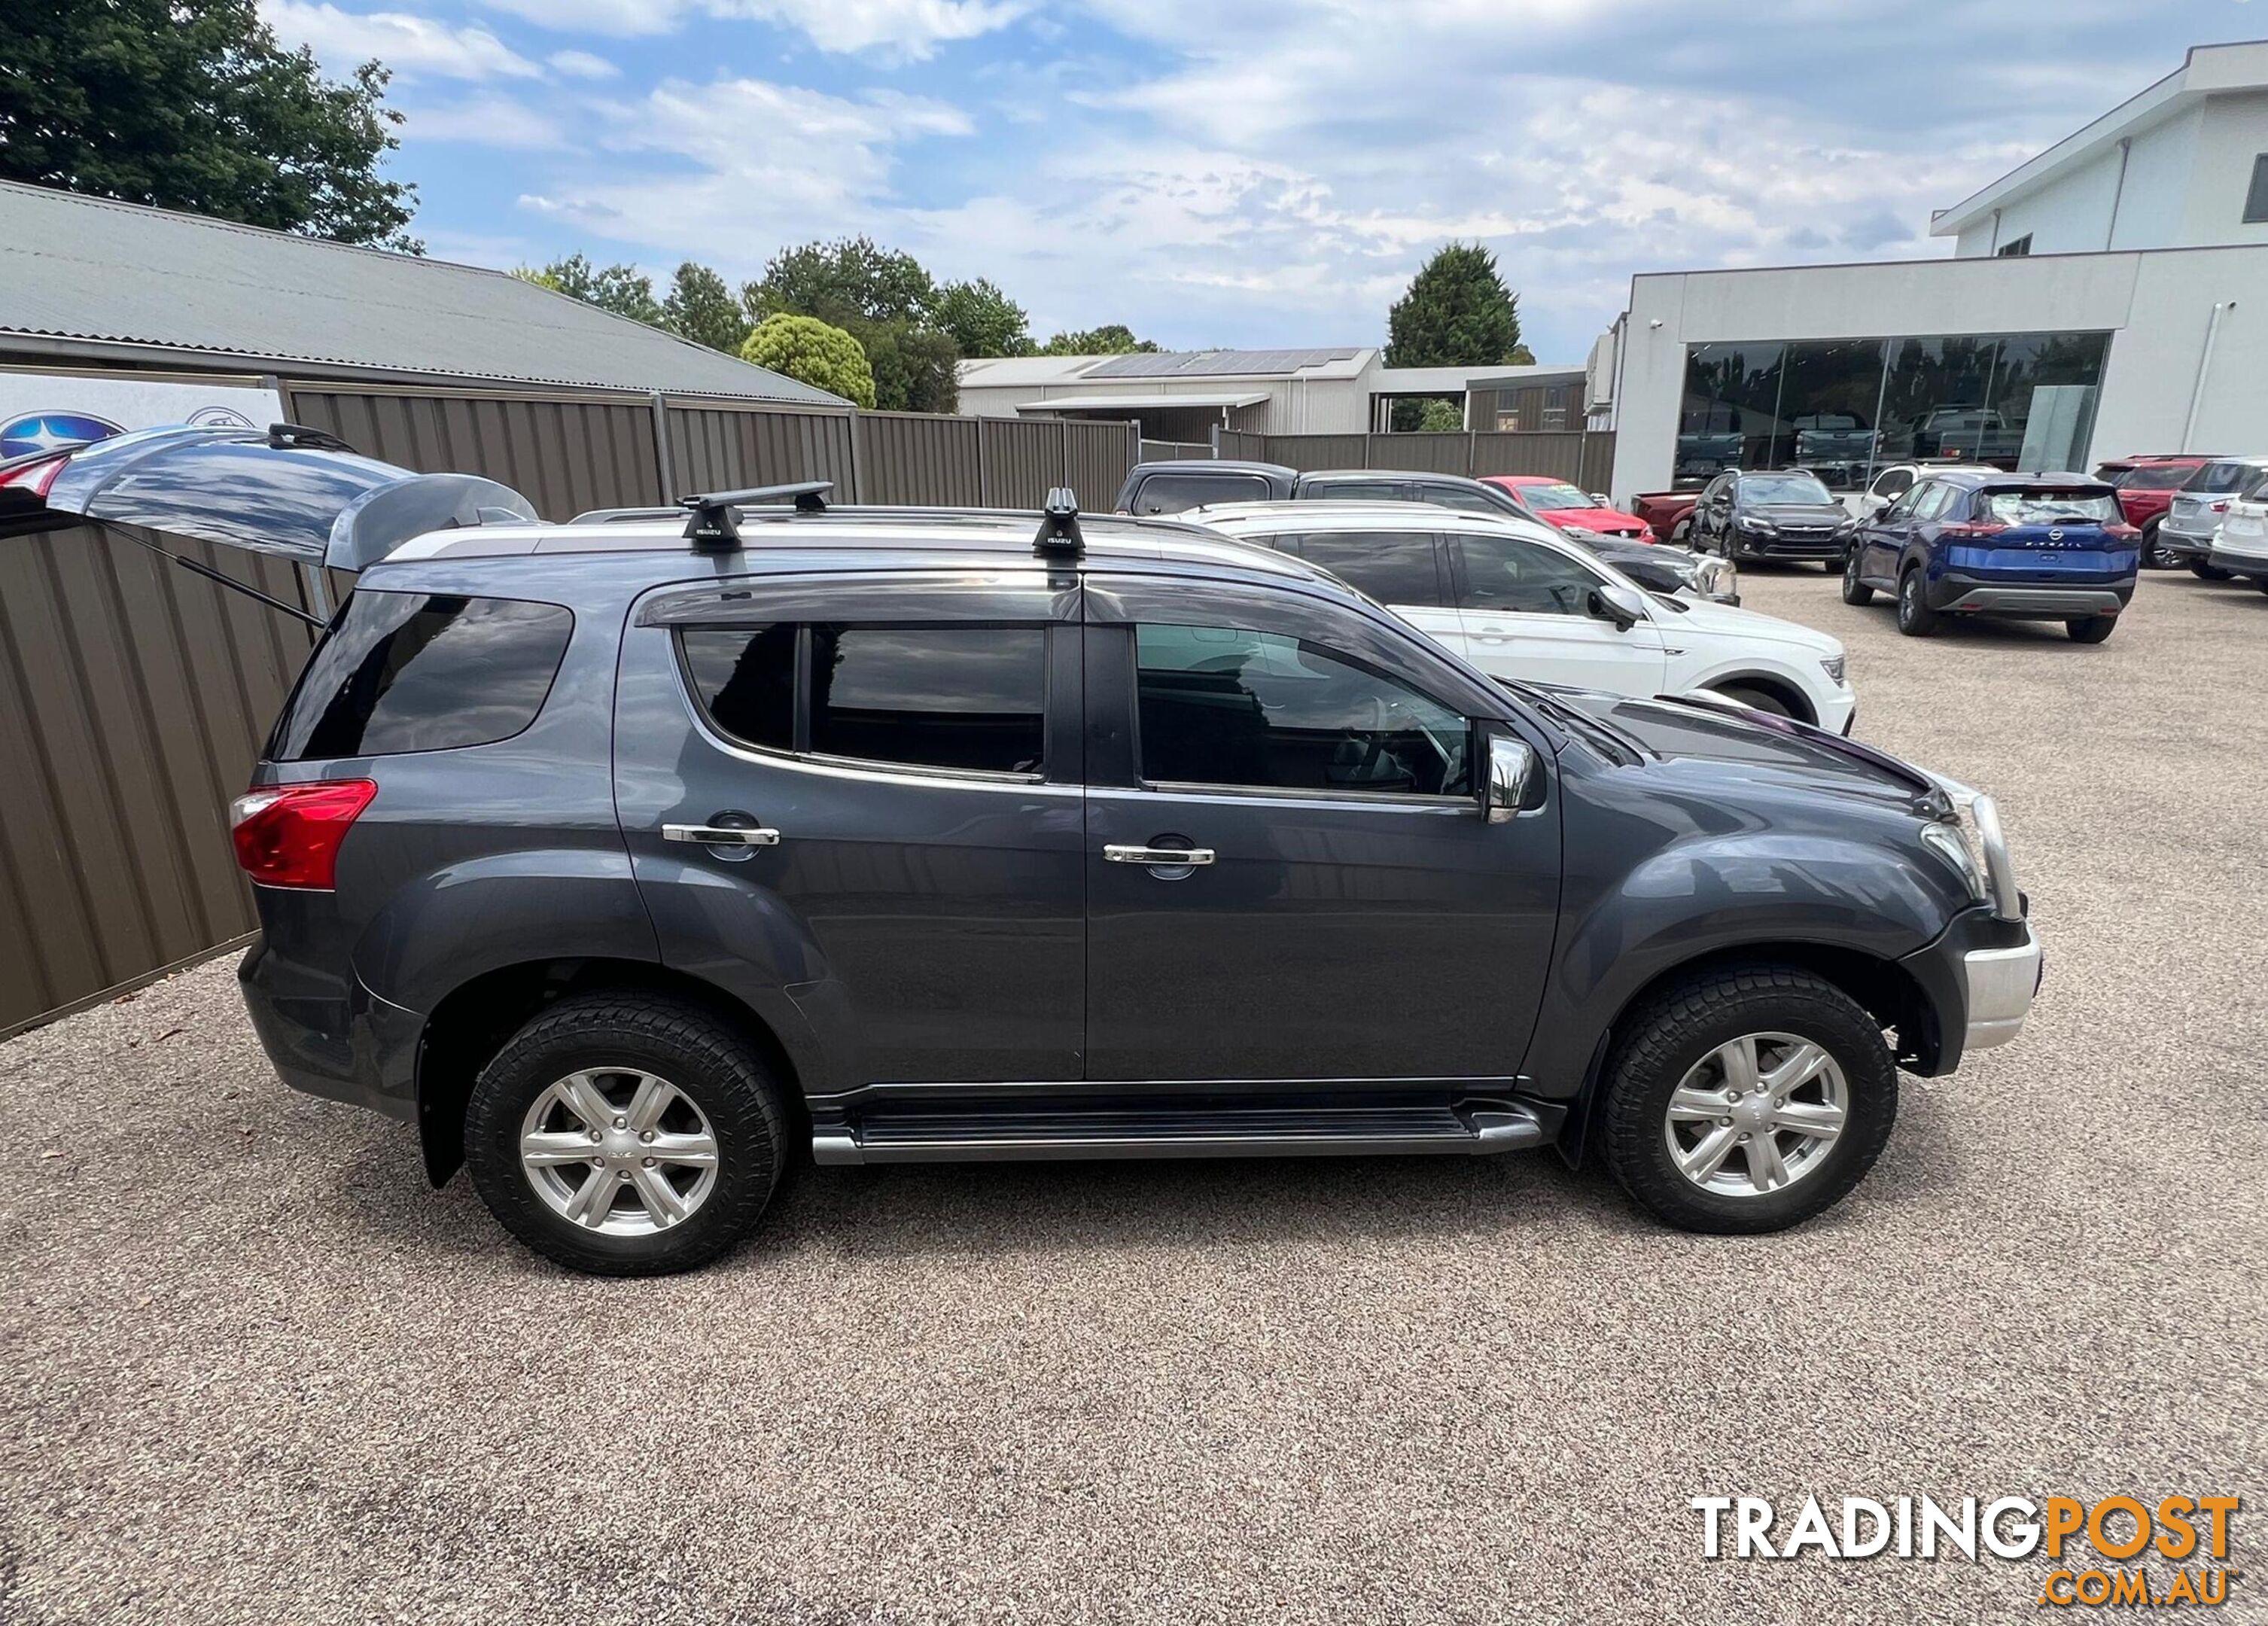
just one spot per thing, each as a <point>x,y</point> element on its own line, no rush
<point>1555,502</point>
<point>2146,484</point>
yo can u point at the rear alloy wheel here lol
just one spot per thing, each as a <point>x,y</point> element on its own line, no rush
<point>2205,572</point>
<point>1854,591</point>
<point>2090,628</point>
<point>625,1134</point>
<point>2154,555</point>
<point>1916,618</point>
<point>1746,1101</point>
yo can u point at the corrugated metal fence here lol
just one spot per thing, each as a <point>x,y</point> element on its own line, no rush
<point>133,696</point>
<point>1582,456</point>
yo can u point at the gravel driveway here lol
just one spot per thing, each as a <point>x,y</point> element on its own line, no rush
<point>253,1369</point>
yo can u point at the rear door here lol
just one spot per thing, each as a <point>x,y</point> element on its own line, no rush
<point>1407,571</point>
<point>1525,613</point>
<point>1347,914</point>
<point>854,800</point>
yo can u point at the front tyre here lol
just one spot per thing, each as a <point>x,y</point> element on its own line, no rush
<point>1854,591</point>
<point>625,1134</point>
<point>1746,1101</point>
<point>2090,628</point>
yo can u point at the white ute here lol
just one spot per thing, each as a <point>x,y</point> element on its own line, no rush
<point>1519,601</point>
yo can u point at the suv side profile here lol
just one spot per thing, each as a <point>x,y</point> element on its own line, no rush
<point>629,857</point>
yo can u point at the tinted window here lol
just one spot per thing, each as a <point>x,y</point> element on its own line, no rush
<point>1393,566</point>
<point>967,697</point>
<point>1354,491</point>
<point>1935,501</point>
<point>1170,494</point>
<point>2225,475</point>
<point>744,679</point>
<point>1558,495</point>
<point>2255,197</point>
<point>1511,574</point>
<point>1892,484</point>
<point>2048,507</point>
<point>1783,489</point>
<point>409,672</point>
<point>1222,706</point>
<point>2152,477</point>
<point>1464,499</point>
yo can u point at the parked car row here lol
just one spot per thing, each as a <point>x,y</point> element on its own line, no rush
<point>632,858</point>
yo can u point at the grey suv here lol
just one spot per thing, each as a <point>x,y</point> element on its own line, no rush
<point>628,858</point>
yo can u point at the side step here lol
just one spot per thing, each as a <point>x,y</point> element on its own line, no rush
<point>893,1134</point>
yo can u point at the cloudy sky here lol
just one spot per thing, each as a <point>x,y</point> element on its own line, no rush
<point>1236,171</point>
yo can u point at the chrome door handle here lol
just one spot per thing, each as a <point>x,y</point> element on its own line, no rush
<point>1157,858</point>
<point>717,835</point>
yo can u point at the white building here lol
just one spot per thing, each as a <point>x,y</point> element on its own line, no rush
<point>1181,396</point>
<point>2035,346</point>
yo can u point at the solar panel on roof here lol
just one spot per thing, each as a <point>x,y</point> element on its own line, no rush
<point>1216,364</point>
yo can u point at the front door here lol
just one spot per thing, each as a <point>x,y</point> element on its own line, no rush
<point>1345,913</point>
<point>1526,608</point>
<point>911,746</point>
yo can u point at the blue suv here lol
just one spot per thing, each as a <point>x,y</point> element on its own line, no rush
<point>2016,547</point>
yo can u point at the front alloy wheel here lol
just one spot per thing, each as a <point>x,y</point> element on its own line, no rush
<point>1854,590</point>
<point>1757,1114</point>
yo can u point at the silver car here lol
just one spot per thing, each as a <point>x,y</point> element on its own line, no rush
<point>2193,521</point>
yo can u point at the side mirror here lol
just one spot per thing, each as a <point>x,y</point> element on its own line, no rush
<point>1514,779</point>
<point>1612,601</point>
<point>1603,499</point>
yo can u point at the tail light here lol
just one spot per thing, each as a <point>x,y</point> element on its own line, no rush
<point>2118,531</point>
<point>289,834</point>
<point>1971,531</point>
<point>34,475</point>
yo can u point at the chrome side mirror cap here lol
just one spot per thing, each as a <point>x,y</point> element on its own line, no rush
<point>1515,780</point>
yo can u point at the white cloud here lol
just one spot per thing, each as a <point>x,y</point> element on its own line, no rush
<point>407,44</point>
<point>581,65</point>
<point>897,29</point>
<point>487,121</point>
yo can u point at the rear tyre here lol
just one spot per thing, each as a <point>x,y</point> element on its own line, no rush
<point>2090,628</point>
<point>2207,573</point>
<point>1746,1101</point>
<point>1854,591</point>
<point>626,1134</point>
<point>1916,618</point>
<point>2153,557</point>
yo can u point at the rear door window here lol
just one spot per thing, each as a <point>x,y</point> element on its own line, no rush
<point>1393,566</point>
<point>401,672</point>
<point>1515,575</point>
<point>1172,494</point>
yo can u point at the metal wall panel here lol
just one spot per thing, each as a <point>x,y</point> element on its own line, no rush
<point>1096,457</point>
<point>565,454</point>
<point>913,457</point>
<point>133,699</point>
<point>717,448</point>
<point>1022,460</point>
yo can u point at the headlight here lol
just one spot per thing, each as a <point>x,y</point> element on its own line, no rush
<point>1751,522</point>
<point>1833,666</point>
<point>1984,846</point>
<point>1945,841</point>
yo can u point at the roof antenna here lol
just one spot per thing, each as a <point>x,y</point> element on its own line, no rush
<point>1059,524</point>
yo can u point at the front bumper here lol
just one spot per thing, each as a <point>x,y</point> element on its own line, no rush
<point>1979,978</point>
<point>1797,549</point>
<point>1999,985</point>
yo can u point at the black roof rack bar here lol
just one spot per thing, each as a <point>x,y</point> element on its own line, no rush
<point>715,528</point>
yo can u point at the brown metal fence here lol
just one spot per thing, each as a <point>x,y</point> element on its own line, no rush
<point>133,696</point>
<point>1582,456</point>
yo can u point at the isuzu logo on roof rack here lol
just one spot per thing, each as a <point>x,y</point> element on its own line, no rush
<point>714,527</point>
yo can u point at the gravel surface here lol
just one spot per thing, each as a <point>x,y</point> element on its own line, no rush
<point>253,1369</point>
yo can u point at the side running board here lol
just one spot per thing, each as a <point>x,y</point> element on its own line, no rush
<point>886,1133</point>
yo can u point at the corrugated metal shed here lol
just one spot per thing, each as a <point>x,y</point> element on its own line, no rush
<point>1228,363</point>
<point>98,272</point>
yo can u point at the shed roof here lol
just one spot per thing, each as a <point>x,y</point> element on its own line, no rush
<point>92,269</point>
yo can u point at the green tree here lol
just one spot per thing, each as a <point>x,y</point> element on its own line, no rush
<point>1114,339</point>
<point>984,321</point>
<point>622,289</point>
<point>916,369</point>
<point>699,307</point>
<point>816,352</point>
<point>197,107</point>
<point>1457,314</point>
<point>880,296</point>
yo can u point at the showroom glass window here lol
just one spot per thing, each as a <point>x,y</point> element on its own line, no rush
<point>1845,408</point>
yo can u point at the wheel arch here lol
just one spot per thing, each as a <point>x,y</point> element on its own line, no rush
<point>1887,990</point>
<point>1783,689</point>
<point>476,1019</point>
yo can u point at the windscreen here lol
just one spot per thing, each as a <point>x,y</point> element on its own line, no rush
<point>1783,489</point>
<point>2224,475</point>
<point>1554,497</point>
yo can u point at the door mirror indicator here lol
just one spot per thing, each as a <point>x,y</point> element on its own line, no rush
<point>1612,601</point>
<point>1513,780</point>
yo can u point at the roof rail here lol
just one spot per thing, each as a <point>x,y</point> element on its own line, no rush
<point>715,528</point>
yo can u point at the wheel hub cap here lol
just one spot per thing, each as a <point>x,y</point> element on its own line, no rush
<point>1757,1114</point>
<point>619,1150</point>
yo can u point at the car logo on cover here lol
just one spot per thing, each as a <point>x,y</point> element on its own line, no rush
<point>2055,533</point>
<point>48,432</point>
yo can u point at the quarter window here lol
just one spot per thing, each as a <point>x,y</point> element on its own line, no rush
<point>1393,566</point>
<point>1223,706</point>
<point>1171,494</point>
<point>416,671</point>
<point>1518,576</point>
<point>1895,481</point>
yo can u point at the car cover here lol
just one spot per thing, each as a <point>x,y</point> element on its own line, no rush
<point>287,490</point>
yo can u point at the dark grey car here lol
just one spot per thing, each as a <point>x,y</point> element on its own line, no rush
<point>627,859</point>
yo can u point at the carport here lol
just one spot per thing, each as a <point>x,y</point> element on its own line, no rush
<point>1181,415</point>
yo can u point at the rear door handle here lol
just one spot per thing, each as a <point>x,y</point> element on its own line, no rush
<point>717,835</point>
<point>1158,856</point>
